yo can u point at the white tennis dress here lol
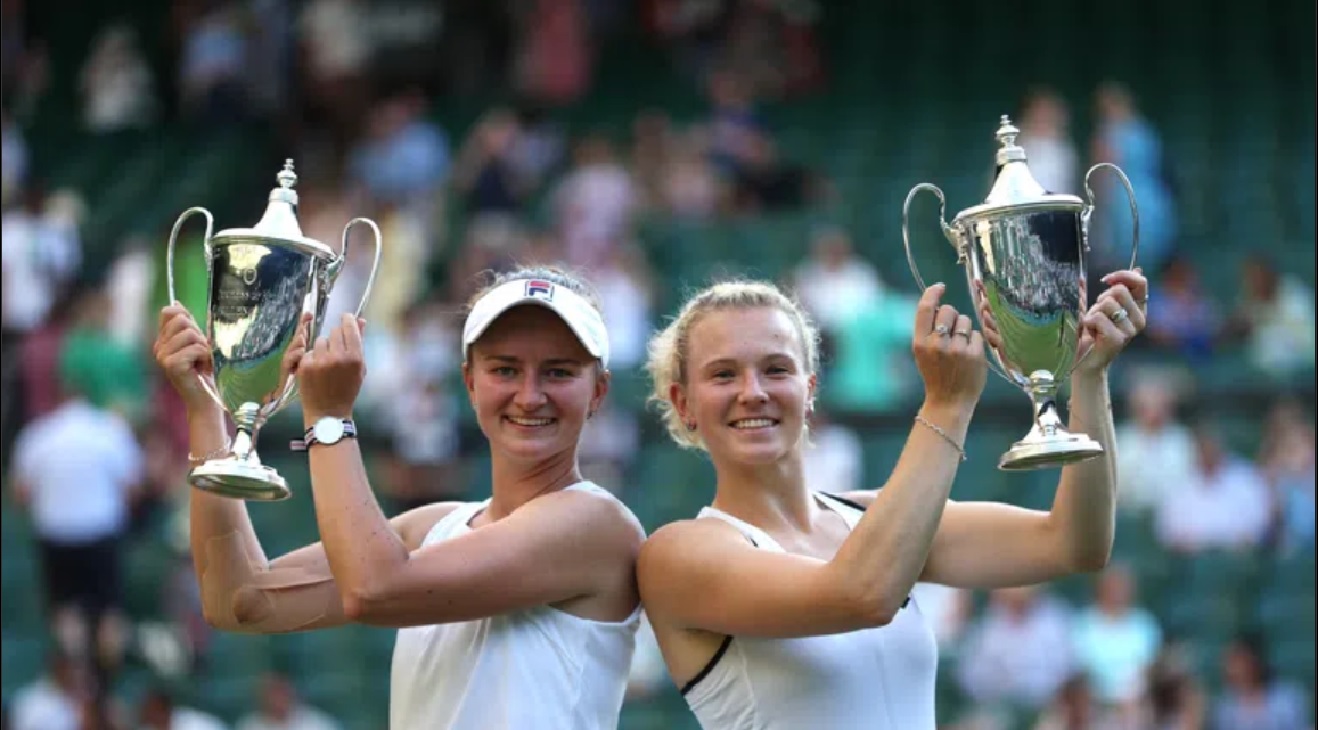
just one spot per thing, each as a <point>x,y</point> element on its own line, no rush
<point>872,679</point>
<point>538,668</point>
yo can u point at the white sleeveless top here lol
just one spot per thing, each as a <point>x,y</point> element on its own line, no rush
<point>537,668</point>
<point>875,679</point>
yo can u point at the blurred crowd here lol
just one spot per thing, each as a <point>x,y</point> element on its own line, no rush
<point>94,445</point>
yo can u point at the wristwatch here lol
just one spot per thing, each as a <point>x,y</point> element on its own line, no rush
<point>327,431</point>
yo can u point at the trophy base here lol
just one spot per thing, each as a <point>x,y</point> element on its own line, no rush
<point>1037,451</point>
<point>239,479</point>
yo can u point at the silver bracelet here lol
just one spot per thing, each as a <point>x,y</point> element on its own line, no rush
<point>217,453</point>
<point>938,430</point>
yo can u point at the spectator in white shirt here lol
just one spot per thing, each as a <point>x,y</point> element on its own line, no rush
<point>76,469</point>
<point>1154,448</point>
<point>1019,652</point>
<point>1224,504</point>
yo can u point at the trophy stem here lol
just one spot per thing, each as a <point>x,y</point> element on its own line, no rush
<point>1048,444</point>
<point>241,474</point>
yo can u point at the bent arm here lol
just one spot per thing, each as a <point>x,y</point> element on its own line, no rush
<point>242,590</point>
<point>702,576</point>
<point>991,545</point>
<point>554,548</point>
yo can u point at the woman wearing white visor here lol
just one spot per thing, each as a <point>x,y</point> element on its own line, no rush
<point>519,611</point>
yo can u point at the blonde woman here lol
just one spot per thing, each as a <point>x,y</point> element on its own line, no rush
<point>783,607</point>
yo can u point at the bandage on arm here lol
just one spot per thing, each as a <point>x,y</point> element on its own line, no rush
<point>243,591</point>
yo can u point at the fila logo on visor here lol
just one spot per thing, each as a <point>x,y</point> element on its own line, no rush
<point>540,289</point>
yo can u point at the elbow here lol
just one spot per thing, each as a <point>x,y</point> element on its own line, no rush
<point>248,609</point>
<point>356,606</point>
<point>1092,561</point>
<point>1090,558</point>
<point>869,607</point>
<point>362,604</point>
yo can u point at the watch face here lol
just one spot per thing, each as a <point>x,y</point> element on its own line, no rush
<point>329,430</point>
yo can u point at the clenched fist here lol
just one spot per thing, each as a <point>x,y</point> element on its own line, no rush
<point>949,352</point>
<point>331,374</point>
<point>1117,317</point>
<point>182,352</point>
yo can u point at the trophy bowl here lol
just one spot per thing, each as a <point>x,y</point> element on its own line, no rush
<point>1023,251</point>
<point>262,282</point>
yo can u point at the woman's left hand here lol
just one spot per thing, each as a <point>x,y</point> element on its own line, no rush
<point>330,375</point>
<point>1117,316</point>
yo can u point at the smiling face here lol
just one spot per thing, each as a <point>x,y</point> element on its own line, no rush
<point>532,385</point>
<point>747,384</point>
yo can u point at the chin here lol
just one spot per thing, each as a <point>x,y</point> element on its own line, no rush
<point>769,452</point>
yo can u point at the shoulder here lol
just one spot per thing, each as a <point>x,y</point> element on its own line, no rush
<point>689,541</point>
<point>590,509</point>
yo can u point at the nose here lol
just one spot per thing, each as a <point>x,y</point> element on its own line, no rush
<point>530,396</point>
<point>751,391</point>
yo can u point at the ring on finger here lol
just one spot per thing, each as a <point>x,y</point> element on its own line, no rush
<point>963,333</point>
<point>941,330</point>
<point>1119,316</point>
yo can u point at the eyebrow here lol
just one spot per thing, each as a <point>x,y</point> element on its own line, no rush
<point>722,361</point>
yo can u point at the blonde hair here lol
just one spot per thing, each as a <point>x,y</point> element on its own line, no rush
<point>670,348</point>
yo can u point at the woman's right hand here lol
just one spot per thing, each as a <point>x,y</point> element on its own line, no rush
<point>949,352</point>
<point>182,352</point>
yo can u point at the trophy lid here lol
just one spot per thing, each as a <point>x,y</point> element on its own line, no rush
<point>279,223</point>
<point>1014,185</point>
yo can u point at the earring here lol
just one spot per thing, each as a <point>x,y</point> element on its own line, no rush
<point>691,426</point>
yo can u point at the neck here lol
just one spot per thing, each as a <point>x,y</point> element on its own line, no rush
<point>516,483</point>
<point>769,496</point>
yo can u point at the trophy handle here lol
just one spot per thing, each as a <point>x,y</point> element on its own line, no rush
<point>173,237</point>
<point>1134,230</point>
<point>1134,208</point>
<point>375,267</point>
<point>948,231</point>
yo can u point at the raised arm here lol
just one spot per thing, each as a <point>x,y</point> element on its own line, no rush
<point>993,545</point>
<point>553,549</point>
<point>241,589</point>
<point>698,575</point>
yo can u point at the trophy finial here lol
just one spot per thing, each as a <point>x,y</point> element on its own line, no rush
<point>280,219</point>
<point>1009,151</point>
<point>287,178</point>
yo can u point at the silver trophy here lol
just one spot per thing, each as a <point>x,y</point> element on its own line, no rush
<point>1024,255</point>
<point>261,281</point>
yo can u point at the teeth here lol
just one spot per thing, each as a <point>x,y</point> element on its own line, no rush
<point>753,423</point>
<point>531,421</point>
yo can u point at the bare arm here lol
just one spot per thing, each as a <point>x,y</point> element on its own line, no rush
<point>993,545</point>
<point>1032,546</point>
<point>555,548</point>
<point>244,591</point>
<point>702,577</point>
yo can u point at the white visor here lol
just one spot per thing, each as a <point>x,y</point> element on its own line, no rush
<point>585,322</point>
